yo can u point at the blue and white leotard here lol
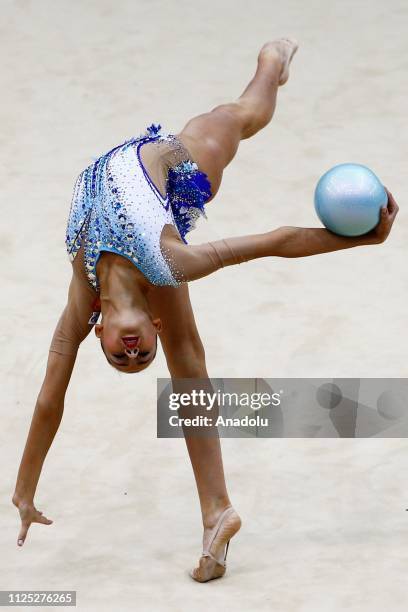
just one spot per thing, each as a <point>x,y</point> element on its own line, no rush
<point>117,208</point>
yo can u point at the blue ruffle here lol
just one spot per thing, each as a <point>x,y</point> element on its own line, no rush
<point>188,189</point>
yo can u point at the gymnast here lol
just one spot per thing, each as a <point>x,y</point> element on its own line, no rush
<point>126,237</point>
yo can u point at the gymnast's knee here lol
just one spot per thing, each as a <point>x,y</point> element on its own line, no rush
<point>189,362</point>
<point>234,112</point>
<point>248,116</point>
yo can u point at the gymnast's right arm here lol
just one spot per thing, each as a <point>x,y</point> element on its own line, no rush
<point>71,330</point>
<point>197,261</point>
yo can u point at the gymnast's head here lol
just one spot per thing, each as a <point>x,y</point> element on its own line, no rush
<point>128,338</point>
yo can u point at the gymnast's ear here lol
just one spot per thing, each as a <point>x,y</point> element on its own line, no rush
<point>158,325</point>
<point>98,330</point>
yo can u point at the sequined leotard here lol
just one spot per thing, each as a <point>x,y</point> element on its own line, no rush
<point>116,207</point>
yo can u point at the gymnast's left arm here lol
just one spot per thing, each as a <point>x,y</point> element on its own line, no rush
<point>71,330</point>
<point>288,241</point>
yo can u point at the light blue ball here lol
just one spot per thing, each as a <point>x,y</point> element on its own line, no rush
<point>348,199</point>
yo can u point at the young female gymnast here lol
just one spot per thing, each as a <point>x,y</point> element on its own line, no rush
<point>130,213</point>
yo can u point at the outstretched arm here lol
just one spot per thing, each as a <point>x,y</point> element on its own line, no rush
<point>71,329</point>
<point>204,259</point>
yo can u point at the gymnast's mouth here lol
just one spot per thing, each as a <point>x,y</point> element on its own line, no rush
<point>131,342</point>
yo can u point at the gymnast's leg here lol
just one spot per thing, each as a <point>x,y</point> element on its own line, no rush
<point>213,138</point>
<point>185,357</point>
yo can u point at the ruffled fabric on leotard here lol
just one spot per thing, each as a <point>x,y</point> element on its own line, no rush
<point>188,189</point>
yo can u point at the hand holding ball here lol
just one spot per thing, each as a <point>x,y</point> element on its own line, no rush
<point>348,199</point>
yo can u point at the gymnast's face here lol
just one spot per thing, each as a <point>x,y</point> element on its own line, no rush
<point>128,339</point>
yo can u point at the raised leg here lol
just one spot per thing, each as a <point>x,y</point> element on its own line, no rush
<point>213,138</point>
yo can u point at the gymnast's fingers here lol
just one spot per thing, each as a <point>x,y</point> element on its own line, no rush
<point>392,206</point>
<point>25,526</point>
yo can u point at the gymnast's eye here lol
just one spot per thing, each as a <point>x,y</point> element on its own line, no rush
<point>118,355</point>
<point>145,354</point>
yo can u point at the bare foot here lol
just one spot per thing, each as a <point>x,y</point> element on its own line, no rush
<point>281,50</point>
<point>212,563</point>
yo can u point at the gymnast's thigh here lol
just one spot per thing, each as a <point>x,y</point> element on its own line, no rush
<point>179,336</point>
<point>212,139</point>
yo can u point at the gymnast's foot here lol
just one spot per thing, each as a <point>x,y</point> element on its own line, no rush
<point>280,51</point>
<point>216,540</point>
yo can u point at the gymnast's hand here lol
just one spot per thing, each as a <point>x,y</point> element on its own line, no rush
<point>28,514</point>
<point>388,213</point>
